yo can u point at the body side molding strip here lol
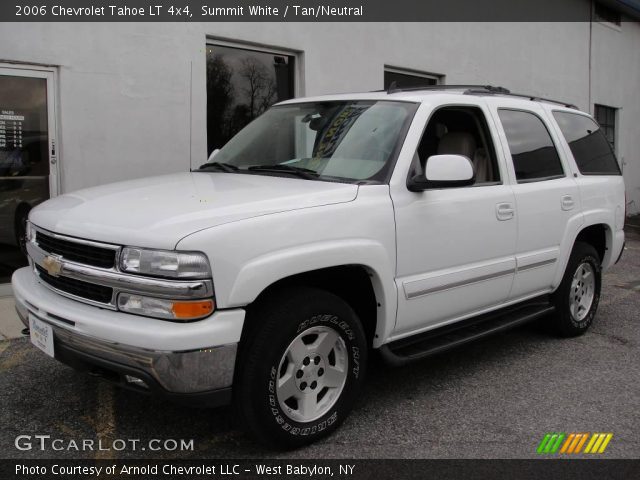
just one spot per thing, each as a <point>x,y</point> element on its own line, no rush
<point>462,283</point>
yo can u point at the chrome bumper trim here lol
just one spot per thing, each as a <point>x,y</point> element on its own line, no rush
<point>192,371</point>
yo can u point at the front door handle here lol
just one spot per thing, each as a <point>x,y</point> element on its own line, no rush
<point>567,202</point>
<point>505,211</point>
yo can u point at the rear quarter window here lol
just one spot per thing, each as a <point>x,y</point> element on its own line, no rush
<point>591,150</point>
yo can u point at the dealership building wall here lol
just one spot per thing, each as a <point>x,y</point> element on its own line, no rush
<point>131,97</point>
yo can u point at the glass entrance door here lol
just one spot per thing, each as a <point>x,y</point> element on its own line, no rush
<point>28,161</point>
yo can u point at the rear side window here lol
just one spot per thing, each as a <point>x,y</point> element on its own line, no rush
<point>589,146</point>
<point>534,155</point>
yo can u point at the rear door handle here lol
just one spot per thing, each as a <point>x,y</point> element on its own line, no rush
<point>505,211</point>
<point>567,202</point>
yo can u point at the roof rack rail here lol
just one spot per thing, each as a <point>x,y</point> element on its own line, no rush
<point>393,88</point>
<point>536,98</point>
<point>533,98</point>
<point>476,90</point>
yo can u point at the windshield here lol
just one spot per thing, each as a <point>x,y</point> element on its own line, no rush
<point>350,141</point>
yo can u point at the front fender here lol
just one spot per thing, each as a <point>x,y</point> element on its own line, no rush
<point>249,256</point>
<point>265,270</point>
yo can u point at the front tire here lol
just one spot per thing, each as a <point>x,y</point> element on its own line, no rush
<point>576,299</point>
<point>301,368</point>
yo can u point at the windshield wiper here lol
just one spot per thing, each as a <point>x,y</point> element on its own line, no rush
<point>298,171</point>
<point>221,166</point>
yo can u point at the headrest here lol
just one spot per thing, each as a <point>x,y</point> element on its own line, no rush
<point>457,143</point>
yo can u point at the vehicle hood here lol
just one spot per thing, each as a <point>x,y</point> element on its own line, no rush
<point>157,212</point>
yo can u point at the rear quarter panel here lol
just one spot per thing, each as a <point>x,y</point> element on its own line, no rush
<point>602,199</point>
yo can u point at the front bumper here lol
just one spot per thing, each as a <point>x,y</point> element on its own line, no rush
<point>191,362</point>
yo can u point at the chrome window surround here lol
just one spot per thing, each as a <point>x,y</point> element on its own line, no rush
<point>113,277</point>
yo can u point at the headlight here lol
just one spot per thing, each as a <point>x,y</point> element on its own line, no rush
<point>165,263</point>
<point>161,308</point>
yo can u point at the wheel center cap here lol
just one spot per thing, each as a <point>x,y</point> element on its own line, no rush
<point>309,374</point>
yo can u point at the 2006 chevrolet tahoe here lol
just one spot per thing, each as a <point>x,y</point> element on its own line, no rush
<point>403,221</point>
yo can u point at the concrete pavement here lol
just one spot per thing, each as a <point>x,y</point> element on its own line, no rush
<point>10,324</point>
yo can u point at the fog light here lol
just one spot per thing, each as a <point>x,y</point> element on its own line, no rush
<point>166,309</point>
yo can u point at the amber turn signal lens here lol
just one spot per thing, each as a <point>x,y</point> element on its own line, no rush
<point>187,310</point>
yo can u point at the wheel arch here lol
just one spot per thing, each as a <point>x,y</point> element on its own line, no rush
<point>358,285</point>
<point>597,234</point>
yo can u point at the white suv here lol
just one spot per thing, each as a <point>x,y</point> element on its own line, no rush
<point>407,222</point>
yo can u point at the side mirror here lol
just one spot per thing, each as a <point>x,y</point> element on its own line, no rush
<point>213,154</point>
<point>444,171</point>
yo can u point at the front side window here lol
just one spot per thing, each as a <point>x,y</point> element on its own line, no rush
<point>348,141</point>
<point>460,130</point>
<point>589,146</point>
<point>533,153</point>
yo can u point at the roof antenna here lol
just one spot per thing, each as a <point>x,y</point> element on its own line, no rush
<point>393,88</point>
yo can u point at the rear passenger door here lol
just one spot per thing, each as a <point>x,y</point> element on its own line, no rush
<point>546,196</point>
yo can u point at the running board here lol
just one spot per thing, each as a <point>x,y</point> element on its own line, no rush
<point>444,338</point>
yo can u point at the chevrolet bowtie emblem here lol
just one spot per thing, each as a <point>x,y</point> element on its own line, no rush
<point>52,265</point>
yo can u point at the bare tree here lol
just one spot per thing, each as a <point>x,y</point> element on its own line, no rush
<point>261,88</point>
<point>219,101</point>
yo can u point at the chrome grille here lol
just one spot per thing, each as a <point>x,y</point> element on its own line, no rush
<point>77,252</point>
<point>77,288</point>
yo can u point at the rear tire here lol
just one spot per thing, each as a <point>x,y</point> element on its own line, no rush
<point>576,299</point>
<point>301,367</point>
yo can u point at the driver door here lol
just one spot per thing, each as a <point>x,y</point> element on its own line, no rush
<point>455,246</point>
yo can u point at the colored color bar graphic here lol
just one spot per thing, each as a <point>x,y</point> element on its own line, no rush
<point>598,442</point>
<point>572,443</point>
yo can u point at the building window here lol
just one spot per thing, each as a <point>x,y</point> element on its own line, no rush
<point>241,85</point>
<point>603,13</point>
<point>409,78</point>
<point>606,117</point>
<point>533,153</point>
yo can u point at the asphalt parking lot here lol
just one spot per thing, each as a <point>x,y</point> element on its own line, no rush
<point>492,399</point>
